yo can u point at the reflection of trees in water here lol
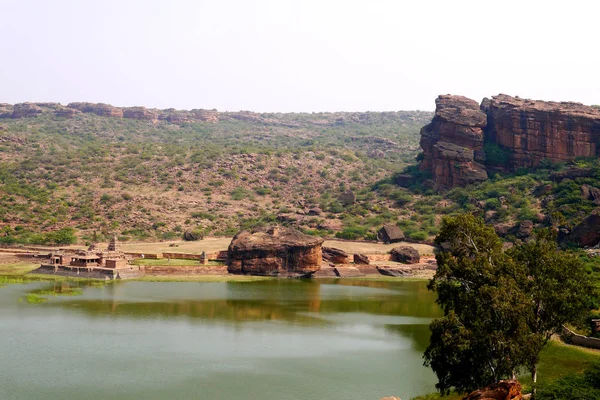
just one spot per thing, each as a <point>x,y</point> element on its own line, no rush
<point>277,300</point>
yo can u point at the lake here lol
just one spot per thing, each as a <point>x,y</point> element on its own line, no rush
<point>276,339</point>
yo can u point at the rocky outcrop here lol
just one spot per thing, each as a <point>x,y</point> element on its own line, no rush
<point>453,142</point>
<point>65,112</point>
<point>503,390</point>
<point>277,251</point>
<point>361,259</point>
<point>518,133</point>
<point>406,255</point>
<point>347,198</point>
<point>25,110</point>
<point>390,233</point>
<point>587,233</point>
<point>140,113</point>
<point>104,110</point>
<point>533,131</point>
<point>335,255</point>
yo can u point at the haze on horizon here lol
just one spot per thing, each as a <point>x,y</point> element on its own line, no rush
<point>296,56</point>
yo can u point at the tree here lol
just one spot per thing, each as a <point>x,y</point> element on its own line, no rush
<point>473,345</point>
<point>557,287</point>
<point>500,308</point>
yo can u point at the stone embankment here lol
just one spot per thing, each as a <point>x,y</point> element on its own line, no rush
<point>521,133</point>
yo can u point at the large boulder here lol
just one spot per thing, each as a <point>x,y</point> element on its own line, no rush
<point>587,233</point>
<point>503,390</point>
<point>274,251</point>
<point>405,255</point>
<point>347,198</point>
<point>361,259</point>
<point>335,255</point>
<point>390,233</point>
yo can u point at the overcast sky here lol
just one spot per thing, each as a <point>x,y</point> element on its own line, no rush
<point>303,55</point>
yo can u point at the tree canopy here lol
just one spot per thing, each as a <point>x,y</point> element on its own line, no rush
<point>500,307</point>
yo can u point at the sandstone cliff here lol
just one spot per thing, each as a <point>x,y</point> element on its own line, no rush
<point>525,132</point>
<point>453,142</point>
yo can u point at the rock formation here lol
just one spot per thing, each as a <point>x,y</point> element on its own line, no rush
<point>536,130</point>
<point>406,255</point>
<point>104,110</point>
<point>361,259</point>
<point>275,251</point>
<point>453,142</point>
<point>140,113</point>
<point>518,133</point>
<point>336,256</point>
<point>587,233</point>
<point>26,110</point>
<point>503,390</point>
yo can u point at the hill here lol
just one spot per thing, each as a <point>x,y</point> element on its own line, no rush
<point>155,174</point>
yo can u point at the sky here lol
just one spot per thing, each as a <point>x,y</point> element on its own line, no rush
<point>297,56</point>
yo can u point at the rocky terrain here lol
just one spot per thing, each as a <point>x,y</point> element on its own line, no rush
<point>465,141</point>
<point>156,174</point>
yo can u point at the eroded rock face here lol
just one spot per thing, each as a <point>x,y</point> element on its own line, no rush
<point>503,390</point>
<point>26,110</point>
<point>275,251</point>
<point>453,142</point>
<point>140,113</point>
<point>536,130</point>
<point>104,110</point>
<point>521,132</point>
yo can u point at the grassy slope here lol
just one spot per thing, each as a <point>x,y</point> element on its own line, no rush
<point>146,180</point>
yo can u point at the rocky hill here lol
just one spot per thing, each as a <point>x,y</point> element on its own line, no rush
<point>465,140</point>
<point>155,174</point>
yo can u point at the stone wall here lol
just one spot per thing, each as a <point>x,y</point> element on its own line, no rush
<point>580,340</point>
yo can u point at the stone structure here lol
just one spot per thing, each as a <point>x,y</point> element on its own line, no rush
<point>503,390</point>
<point>110,263</point>
<point>277,251</point>
<point>390,233</point>
<point>522,133</point>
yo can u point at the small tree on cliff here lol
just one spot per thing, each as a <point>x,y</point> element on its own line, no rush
<point>500,308</point>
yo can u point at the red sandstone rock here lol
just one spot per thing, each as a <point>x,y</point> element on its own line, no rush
<point>406,255</point>
<point>541,130</point>
<point>65,112</point>
<point>334,255</point>
<point>503,390</point>
<point>275,251</point>
<point>361,259</point>
<point>453,142</point>
<point>587,233</point>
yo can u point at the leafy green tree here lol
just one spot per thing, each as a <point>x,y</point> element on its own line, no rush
<point>557,287</point>
<point>474,343</point>
<point>501,308</point>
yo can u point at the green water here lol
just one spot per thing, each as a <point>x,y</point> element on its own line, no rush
<point>255,340</point>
